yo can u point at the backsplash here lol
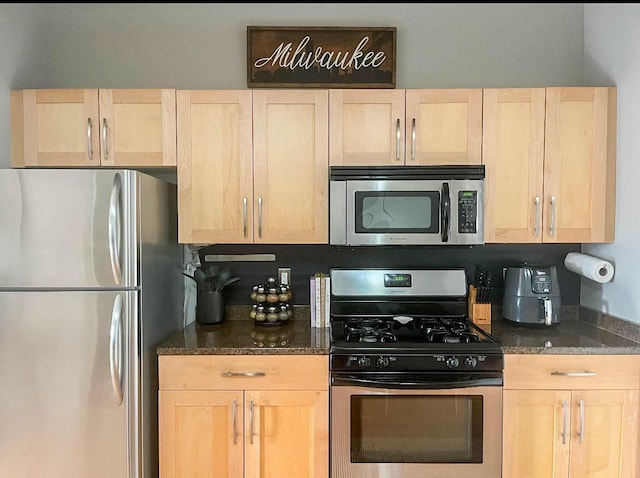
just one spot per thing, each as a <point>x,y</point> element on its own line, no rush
<point>305,260</point>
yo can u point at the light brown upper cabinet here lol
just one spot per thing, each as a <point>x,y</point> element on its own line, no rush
<point>380,127</point>
<point>253,166</point>
<point>291,166</point>
<point>91,128</point>
<point>215,166</point>
<point>550,160</point>
<point>513,152</point>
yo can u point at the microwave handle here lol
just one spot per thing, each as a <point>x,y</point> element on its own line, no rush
<point>446,212</point>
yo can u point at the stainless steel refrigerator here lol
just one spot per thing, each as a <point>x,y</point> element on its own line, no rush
<point>90,283</point>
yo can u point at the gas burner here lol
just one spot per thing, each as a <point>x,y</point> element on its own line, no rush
<point>403,322</point>
<point>368,331</point>
<point>447,330</point>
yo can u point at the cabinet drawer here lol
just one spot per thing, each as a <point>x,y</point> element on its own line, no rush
<point>243,372</point>
<point>537,372</point>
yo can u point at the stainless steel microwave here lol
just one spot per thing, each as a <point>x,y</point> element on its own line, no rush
<point>411,205</point>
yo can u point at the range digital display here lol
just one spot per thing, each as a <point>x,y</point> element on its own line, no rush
<point>397,280</point>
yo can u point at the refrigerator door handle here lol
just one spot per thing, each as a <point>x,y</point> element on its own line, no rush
<point>115,349</point>
<point>115,228</point>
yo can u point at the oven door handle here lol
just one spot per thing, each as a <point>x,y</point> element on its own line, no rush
<point>417,382</point>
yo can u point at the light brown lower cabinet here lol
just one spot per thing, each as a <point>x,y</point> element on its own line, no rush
<point>243,416</point>
<point>571,416</point>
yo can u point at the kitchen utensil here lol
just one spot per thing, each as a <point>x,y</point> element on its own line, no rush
<point>483,284</point>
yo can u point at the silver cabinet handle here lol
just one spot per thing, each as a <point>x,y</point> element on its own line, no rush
<point>565,421</point>
<point>105,147</point>
<point>115,226</point>
<point>115,349</point>
<point>260,217</point>
<point>244,216</point>
<point>413,139</point>
<point>552,225</point>
<point>581,434</point>
<point>234,411</point>
<point>251,422</point>
<point>243,374</point>
<point>89,138</point>
<point>536,230</point>
<point>398,140</point>
<point>575,374</point>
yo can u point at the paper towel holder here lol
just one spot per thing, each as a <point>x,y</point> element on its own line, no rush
<point>593,268</point>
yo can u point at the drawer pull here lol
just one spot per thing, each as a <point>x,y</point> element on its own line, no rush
<point>575,374</point>
<point>243,374</point>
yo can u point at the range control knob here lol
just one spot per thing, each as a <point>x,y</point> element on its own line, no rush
<point>382,362</point>
<point>471,362</point>
<point>364,361</point>
<point>452,362</point>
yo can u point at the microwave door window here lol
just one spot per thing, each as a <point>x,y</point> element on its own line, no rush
<point>380,212</point>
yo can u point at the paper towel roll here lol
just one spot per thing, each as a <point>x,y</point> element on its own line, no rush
<point>590,267</point>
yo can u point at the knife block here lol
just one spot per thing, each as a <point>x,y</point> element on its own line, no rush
<point>480,314</point>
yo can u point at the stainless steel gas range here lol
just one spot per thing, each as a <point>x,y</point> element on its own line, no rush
<point>416,387</point>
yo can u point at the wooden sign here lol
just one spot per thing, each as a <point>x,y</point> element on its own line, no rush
<point>338,57</point>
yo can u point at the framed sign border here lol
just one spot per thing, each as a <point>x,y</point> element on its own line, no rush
<point>311,29</point>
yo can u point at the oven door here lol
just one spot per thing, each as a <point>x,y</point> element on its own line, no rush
<point>408,426</point>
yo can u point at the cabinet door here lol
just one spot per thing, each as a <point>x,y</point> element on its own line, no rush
<point>366,127</point>
<point>215,175</point>
<point>291,161</point>
<point>444,126</point>
<point>513,154</point>
<point>200,434</point>
<point>286,434</point>
<point>138,128</point>
<point>604,430</point>
<point>533,425</point>
<point>579,165</point>
<point>54,128</point>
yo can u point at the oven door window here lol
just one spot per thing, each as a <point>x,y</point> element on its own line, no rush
<point>416,429</point>
<point>382,212</point>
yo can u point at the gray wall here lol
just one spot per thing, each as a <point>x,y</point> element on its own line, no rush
<point>203,46</point>
<point>612,57</point>
<point>20,57</point>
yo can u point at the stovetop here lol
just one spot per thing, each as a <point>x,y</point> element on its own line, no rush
<point>410,334</point>
<point>412,345</point>
<point>406,321</point>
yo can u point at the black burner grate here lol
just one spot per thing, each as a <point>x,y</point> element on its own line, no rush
<point>446,330</point>
<point>369,331</point>
<point>426,330</point>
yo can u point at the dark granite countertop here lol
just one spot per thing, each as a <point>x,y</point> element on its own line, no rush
<point>570,336</point>
<point>580,331</point>
<point>243,336</point>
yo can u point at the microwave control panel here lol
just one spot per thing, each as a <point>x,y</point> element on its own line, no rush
<point>467,211</point>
